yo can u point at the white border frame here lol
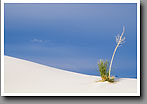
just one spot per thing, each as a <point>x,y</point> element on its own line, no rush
<point>70,94</point>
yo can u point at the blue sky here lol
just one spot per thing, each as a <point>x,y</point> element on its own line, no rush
<point>73,37</point>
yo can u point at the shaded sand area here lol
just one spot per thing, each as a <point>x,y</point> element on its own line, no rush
<point>21,76</point>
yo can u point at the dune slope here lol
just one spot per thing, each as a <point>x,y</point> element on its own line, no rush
<point>21,76</point>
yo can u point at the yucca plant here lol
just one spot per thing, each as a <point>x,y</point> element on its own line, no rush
<point>119,40</point>
<point>103,66</point>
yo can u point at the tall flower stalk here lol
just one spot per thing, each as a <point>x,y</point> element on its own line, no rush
<point>119,40</point>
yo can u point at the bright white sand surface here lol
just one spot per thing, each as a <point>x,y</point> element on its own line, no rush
<point>23,76</point>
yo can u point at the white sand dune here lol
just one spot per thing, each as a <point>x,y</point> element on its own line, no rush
<point>23,76</point>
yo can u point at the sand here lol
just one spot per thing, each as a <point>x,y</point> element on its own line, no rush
<point>21,76</point>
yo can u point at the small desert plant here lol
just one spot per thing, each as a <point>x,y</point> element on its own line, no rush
<point>103,66</point>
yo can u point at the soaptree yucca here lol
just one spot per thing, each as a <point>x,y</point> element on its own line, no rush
<point>119,40</point>
<point>103,66</point>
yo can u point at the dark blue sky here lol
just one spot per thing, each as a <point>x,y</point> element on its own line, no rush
<point>73,36</point>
